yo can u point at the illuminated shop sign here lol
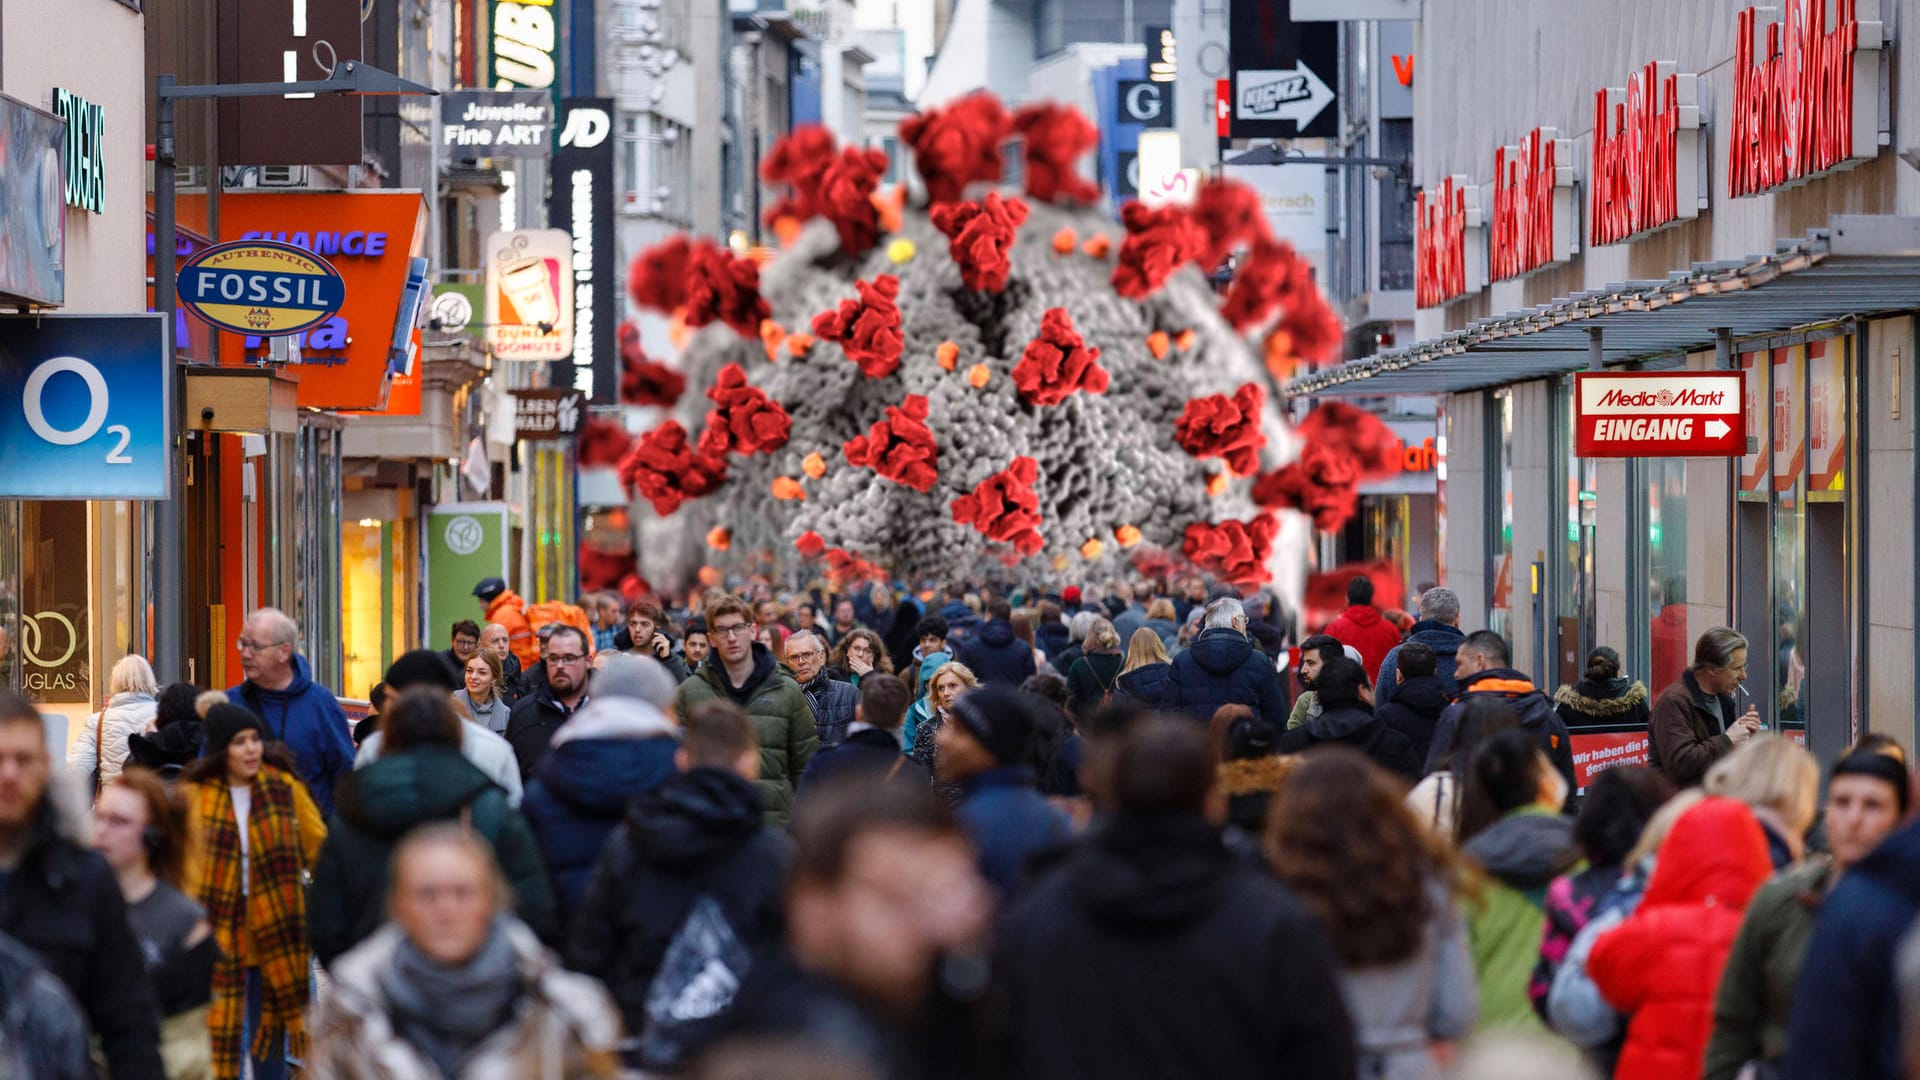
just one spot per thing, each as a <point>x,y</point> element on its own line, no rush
<point>1647,155</point>
<point>86,140</point>
<point>524,37</point>
<point>1450,243</point>
<point>1806,99</point>
<point>1534,212</point>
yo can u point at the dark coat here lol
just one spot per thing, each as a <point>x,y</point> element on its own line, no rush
<point>1536,716</point>
<point>1008,821</point>
<point>1093,676</point>
<point>902,634</point>
<point>532,724</point>
<point>867,752</point>
<point>997,656</point>
<point>308,718</point>
<point>1415,711</point>
<point>1684,735</point>
<point>63,902</point>
<point>1150,684</point>
<point>781,718</point>
<point>962,621</point>
<point>1151,952</point>
<point>1052,638</point>
<point>1222,667</point>
<point>611,752</point>
<point>698,834</point>
<point>382,803</point>
<point>832,702</point>
<point>1445,642</point>
<point>1350,724</point>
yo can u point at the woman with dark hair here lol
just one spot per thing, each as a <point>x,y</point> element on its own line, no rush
<point>253,832</point>
<point>1384,889</point>
<point>1435,800</point>
<point>421,776</point>
<point>1603,697</point>
<point>174,742</point>
<point>1510,826</point>
<point>1867,796</point>
<point>859,654</point>
<point>1250,772</point>
<point>1056,745</point>
<point>1612,815</point>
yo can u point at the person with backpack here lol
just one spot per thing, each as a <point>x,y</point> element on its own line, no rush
<point>687,894</point>
<point>1092,679</point>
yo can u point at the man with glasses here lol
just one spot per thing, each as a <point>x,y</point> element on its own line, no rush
<point>537,716</point>
<point>295,710</point>
<point>744,672</point>
<point>466,641</point>
<point>832,701</point>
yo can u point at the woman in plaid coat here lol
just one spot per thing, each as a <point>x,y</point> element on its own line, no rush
<point>255,832</point>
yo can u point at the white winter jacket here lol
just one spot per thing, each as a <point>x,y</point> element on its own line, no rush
<point>103,740</point>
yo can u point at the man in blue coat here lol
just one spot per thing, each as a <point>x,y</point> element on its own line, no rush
<point>1222,667</point>
<point>985,749</point>
<point>297,711</point>
<point>996,655</point>
<point>1439,630</point>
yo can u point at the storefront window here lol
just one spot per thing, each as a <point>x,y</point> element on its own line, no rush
<point>1500,517</point>
<point>1668,647</point>
<point>1573,581</point>
<point>1788,434</point>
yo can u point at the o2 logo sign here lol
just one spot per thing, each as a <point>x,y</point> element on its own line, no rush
<point>85,407</point>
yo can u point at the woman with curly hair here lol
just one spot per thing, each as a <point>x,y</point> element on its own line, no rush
<point>1384,887</point>
<point>859,654</point>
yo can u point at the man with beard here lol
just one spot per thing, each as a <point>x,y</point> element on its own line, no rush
<point>537,716</point>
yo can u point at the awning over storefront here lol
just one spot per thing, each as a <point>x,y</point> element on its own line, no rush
<point>1859,265</point>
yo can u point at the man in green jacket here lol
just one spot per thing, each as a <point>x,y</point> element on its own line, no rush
<point>744,672</point>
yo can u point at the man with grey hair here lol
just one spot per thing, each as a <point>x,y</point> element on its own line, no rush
<point>294,709</point>
<point>1439,630</point>
<point>833,702</point>
<point>1222,667</point>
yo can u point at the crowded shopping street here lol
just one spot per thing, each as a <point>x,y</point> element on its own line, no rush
<point>959,540</point>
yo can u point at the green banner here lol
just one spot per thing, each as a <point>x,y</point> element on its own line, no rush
<point>466,542</point>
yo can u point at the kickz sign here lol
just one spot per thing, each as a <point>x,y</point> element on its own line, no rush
<point>1449,243</point>
<point>1806,99</point>
<point>1535,216</point>
<point>1659,414</point>
<point>1649,159</point>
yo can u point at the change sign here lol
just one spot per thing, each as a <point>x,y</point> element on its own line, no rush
<point>1659,414</point>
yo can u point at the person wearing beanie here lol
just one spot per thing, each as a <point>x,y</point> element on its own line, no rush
<point>1070,600</point>
<point>490,753</point>
<point>253,832</point>
<point>175,740</point>
<point>986,749</point>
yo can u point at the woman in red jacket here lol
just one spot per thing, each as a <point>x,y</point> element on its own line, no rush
<point>1661,967</point>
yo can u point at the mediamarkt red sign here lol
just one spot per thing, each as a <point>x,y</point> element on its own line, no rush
<point>1806,99</point>
<point>1659,414</point>
<point>1449,243</point>
<point>1647,157</point>
<point>1534,215</point>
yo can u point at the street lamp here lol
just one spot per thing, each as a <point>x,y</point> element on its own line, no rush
<point>347,77</point>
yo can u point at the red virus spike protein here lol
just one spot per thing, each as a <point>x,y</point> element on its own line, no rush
<point>798,160</point>
<point>845,197</point>
<point>666,471</point>
<point>1055,138</point>
<point>602,442</point>
<point>1272,274</point>
<point>868,328</point>
<point>1057,363</point>
<point>900,447</point>
<point>1230,214</point>
<point>723,287</point>
<point>1158,243</point>
<point>1236,550</point>
<point>658,277</point>
<point>644,381</point>
<point>1225,427</point>
<point>1314,328</point>
<point>744,419</point>
<point>957,145</point>
<point>981,238</point>
<point>1005,507</point>
<point>1320,483</point>
<point>809,545</point>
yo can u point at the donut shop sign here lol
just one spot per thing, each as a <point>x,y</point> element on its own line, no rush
<point>1806,96</point>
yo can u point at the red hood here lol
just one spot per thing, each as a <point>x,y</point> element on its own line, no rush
<point>1716,852</point>
<point>1364,616</point>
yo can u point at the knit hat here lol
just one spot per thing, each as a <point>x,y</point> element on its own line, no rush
<point>641,677</point>
<point>421,667</point>
<point>1004,721</point>
<point>1070,594</point>
<point>224,723</point>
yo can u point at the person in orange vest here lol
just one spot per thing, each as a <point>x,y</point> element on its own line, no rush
<point>505,607</point>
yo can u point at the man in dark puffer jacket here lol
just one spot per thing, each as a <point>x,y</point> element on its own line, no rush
<point>1222,667</point>
<point>1416,707</point>
<point>832,701</point>
<point>996,655</point>
<point>1345,718</point>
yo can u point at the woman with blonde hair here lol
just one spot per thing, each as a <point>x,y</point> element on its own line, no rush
<point>859,654</point>
<point>1147,675</point>
<point>1093,678</point>
<point>101,748</point>
<point>928,715</point>
<point>1780,782</point>
<point>1162,620</point>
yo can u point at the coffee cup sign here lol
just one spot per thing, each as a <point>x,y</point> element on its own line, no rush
<point>529,295</point>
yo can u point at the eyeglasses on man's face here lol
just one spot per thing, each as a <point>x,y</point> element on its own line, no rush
<point>566,658</point>
<point>732,630</point>
<point>246,645</point>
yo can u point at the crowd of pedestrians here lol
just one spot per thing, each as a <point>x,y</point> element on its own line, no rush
<point>1122,830</point>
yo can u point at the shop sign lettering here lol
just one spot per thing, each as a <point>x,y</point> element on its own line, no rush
<point>523,40</point>
<point>1659,414</point>
<point>86,141</point>
<point>1449,243</point>
<point>1533,207</point>
<point>1806,99</point>
<point>1646,155</point>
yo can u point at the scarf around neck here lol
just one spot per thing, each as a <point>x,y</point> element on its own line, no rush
<point>447,1012</point>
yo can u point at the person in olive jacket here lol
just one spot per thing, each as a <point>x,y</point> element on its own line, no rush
<point>1693,722</point>
<point>420,777</point>
<point>744,672</point>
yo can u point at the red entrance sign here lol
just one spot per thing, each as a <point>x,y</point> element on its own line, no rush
<point>1659,414</point>
<point>1646,155</point>
<point>1445,264</point>
<point>1806,100</point>
<point>1222,107</point>
<point>1533,208</point>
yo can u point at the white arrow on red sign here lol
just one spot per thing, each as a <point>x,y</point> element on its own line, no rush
<point>1659,414</point>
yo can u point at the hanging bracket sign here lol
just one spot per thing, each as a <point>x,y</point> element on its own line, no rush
<point>1659,414</point>
<point>261,288</point>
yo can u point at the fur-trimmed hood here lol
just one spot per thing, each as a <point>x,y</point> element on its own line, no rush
<point>1253,775</point>
<point>1592,700</point>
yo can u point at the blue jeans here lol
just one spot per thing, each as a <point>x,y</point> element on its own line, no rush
<point>273,1066</point>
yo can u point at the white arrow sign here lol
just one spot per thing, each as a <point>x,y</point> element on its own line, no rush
<point>1295,93</point>
<point>1718,429</point>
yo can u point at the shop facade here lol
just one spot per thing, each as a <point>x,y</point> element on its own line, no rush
<point>1614,188</point>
